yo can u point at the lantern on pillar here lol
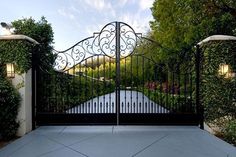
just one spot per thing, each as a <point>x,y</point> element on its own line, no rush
<point>10,70</point>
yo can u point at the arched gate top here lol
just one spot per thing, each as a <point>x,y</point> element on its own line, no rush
<point>113,37</point>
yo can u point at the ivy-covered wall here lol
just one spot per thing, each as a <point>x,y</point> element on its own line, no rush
<point>17,52</point>
<point>219,90</point>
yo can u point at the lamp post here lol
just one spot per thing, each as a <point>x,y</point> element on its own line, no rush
<point>223,70</point>
<point>10,70</point>
<point>226,71</point>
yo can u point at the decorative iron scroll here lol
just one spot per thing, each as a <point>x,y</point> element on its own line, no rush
<point>102,43</point>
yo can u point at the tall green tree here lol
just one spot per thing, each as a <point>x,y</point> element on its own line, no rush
<point>180,24</point>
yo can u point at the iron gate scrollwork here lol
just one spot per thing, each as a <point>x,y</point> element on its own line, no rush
<point>114,77</point>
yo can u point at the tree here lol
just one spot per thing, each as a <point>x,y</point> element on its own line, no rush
<point>20,51</point>
<point>180,24</point>
<point>227,6</point>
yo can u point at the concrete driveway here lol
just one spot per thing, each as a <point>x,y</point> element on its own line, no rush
<point>118,141</point>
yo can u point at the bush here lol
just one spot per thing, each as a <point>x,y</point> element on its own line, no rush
<point>230,132</point>
<point>9,103</point>
<point>174,103</point>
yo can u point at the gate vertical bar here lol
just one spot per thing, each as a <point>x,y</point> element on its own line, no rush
<point>117,73</point>
<point>198,98</point>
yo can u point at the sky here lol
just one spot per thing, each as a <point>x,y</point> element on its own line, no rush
<point>74,20</point>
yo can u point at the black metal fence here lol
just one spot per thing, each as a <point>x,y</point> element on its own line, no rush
<point>114,77</point>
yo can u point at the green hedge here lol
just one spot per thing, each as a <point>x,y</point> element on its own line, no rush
<point>9,103</point>
<point>173,102</point>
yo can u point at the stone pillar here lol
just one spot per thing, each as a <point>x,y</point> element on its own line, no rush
<point>23,84</point>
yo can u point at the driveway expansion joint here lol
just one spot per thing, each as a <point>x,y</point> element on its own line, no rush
<point>65,146</point>
<point>62,130</point>
<point>113,127</point>
<point>159,139</point>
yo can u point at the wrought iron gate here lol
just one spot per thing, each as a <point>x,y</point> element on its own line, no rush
<point>114,77</point>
